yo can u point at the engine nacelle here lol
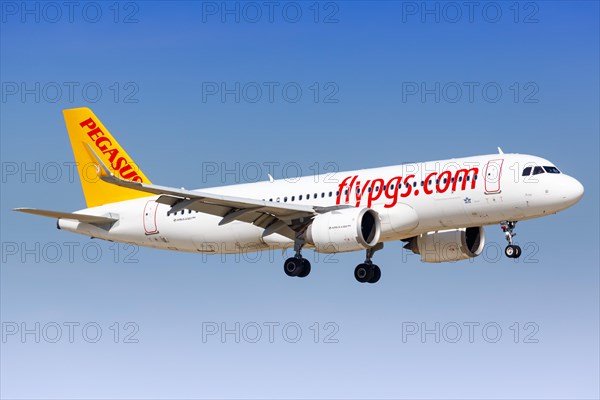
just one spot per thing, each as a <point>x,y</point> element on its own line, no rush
<point>347,229</point>
<point>448,245</point>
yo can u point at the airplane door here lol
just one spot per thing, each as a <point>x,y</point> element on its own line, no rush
<point>493,173</point>
<point>150,211</point>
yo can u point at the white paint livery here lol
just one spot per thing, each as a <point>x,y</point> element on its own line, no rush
<point>438,214</point>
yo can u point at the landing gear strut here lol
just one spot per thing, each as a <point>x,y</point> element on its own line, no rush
<point>512,250</point>
<point>297,265</point>
<point>367,271</point>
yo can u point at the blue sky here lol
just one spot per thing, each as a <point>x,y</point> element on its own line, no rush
<point>186,88</point>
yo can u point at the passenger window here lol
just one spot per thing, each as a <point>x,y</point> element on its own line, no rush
<point>527,171</point>
<point>538,170</point>
<point>315,196</point>
<point>330,194</point>
<point>322,194</point>
<point>285,199</point>
<point>300,197</point>
<point>293,197</point>
<point>552,170</point>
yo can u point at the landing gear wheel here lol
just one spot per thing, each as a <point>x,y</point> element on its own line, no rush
<point>364,273</point>
<point>293,266</point>
<point>518,254</point>
<point>305,268</point>
<point>376,274</point>
<point>512,251</point>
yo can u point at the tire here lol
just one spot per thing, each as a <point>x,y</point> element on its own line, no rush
<point>292,266</point>
<point>376,274</point>
<point>363,273</point>
<point>517,252</point>
<point>510,251</point>
<point>305,268</point>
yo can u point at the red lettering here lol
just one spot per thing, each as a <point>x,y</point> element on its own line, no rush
<point>113,154</point>
<point>376,191</point>
<point>444,179</point>
<point>89,123</point>
<point>121,162</point>
<point>462,175</point>
<point>360,191</point>
<point>393,184</point>
<point>95,132</point>
<point>127,168</point>
<point>341,189</point>
<point>426,183</point>
<point>102,140</point>
<point>408,186</point>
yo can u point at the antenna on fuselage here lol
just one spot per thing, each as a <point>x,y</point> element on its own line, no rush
<point>500,151</point>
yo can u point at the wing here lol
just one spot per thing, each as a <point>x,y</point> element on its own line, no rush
<point>285,219</point>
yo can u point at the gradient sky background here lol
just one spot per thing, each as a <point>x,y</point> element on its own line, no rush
<point>162,59</point>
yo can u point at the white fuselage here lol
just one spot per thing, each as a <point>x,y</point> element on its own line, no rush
<point>432,196</point>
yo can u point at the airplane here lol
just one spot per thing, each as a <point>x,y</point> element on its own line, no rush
<point>439,208</point>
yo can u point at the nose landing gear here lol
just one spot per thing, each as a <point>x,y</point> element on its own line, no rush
<point>512,250</point>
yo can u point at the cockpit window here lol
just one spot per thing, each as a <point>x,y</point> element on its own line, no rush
<point>538,170</point>
<point>527,171</point>
<point>552,170</point>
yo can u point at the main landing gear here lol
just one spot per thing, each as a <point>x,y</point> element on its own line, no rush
<point>297,265</point>
<point>512,250</point>
<point>368,272</point>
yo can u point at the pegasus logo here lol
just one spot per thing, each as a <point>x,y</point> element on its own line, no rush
<point>118,163</point>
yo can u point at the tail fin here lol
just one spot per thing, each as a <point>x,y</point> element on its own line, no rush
<point>88,135</point>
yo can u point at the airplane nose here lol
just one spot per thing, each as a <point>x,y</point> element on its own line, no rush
<point>574,191</point>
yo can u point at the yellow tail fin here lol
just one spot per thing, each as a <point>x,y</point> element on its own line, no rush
<point>87,134</point>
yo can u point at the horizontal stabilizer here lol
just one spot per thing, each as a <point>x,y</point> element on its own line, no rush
<point>89,219</point>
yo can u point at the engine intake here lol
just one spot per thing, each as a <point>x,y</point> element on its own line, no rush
<point>448,245</point>
<point>348,229</point>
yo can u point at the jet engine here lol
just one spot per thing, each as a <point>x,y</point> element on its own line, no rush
<point>448,245</point>
<point>347,229</point>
